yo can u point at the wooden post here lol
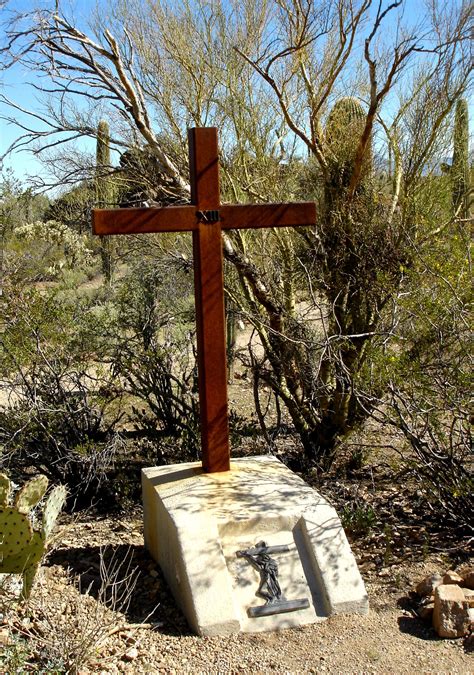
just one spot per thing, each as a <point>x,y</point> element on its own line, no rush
<point>206,218</point>
<point>209,298</point>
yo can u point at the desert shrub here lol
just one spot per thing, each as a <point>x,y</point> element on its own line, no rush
<point>66,636</point>
<point>429,382</point>
<point>14,657</point>
<point>47,249</point>
<point>60,402</point>
<point>79,370</point>
<point>154,349</point>
<point>358,518</point>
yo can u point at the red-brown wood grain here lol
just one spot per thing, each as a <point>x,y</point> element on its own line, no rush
<point>186,218</point>
<point>209,298</point>
<point>208,272</point>
<point>144,221</point>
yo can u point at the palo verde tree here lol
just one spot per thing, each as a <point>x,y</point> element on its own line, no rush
<point>310,99</point>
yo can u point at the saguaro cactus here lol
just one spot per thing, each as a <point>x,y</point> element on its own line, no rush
<point>344,128</point>
<point>21,546</point>
<point>460,167</point>
<point>104,194</point>
<point>347,227</point>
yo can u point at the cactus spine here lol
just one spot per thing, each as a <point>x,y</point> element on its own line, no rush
<point>460,167</point>
<point>104,194</point>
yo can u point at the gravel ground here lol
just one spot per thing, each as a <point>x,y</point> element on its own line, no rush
<point>68,624</point>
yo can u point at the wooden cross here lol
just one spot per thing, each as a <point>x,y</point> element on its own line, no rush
<point>205,217</point>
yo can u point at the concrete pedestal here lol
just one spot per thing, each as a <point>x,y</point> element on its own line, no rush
<point>196,522</point>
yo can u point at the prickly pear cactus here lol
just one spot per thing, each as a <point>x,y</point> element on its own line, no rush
<point>30,494</point>
<point>22,547</point>
<point>53,506</point>
<point>5,489</point>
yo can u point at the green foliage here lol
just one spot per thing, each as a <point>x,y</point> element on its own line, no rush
<point>22,547</point>
<point>64,402</point>
<point>153,348</point>
<point>355,265</point>
<point>47,250</point>
<point>460,174</point>
<point>358,518</point>
<point>18,205</point>
<point>429,376</point>
<point>15,656</point>
<point>75,364</point>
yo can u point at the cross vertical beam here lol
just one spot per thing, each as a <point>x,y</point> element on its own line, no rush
<point>206,218</point>
<point>209,300</point>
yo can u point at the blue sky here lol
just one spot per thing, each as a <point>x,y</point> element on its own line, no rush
<point>14,81</point>
<point>14,85</point>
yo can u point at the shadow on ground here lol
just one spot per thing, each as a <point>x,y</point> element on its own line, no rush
<point>120,570</point>
<point>414,625</point>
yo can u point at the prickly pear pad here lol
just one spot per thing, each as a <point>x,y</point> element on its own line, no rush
<point>5,489</point>
<point>15,532</point>
<point>18,563</point>
<point>53,506</point>
<point>31,493</point>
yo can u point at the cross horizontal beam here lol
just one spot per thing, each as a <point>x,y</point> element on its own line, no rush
<point>188,218</point>
<point>206,217</point>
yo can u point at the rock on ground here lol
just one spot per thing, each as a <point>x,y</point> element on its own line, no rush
<point>451,612</point>
<point>390,640</point>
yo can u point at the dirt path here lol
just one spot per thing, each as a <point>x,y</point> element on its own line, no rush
<point>389,640</point>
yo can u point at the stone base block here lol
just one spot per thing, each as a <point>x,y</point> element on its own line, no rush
<point>195,523</point>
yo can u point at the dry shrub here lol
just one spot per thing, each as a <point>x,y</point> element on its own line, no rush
<point>68,629</point>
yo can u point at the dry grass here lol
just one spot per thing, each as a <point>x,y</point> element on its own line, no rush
<point>65,636</point>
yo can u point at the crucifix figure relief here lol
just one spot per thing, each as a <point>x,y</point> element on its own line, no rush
<point>205,217</point>
<point>269,588</point>
<point>259,557</point>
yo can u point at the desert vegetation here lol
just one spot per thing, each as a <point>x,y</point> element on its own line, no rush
<point>350,340</point>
